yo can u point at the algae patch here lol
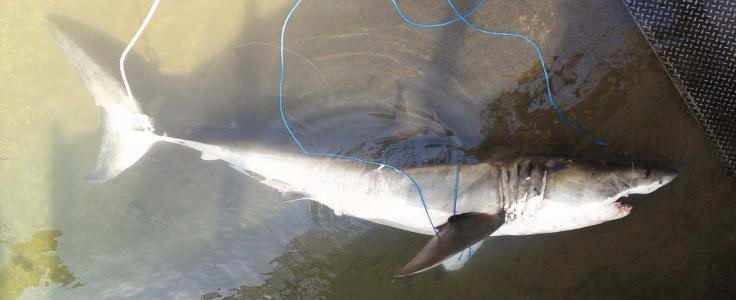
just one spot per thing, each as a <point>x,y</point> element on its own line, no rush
<point>32,263</point>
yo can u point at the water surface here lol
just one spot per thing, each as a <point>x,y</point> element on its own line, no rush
<point>359,81</point>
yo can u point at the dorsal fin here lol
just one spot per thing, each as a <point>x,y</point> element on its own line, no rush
<point>458,233</point>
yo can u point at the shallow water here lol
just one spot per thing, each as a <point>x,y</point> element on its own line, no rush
<point>359,81</point>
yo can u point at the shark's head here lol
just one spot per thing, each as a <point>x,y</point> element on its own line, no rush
<point>590,181</point>
<point>585,193</point>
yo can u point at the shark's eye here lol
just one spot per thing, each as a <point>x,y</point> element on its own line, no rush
<point>647,172</point>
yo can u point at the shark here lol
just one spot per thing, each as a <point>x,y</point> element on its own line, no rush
<point>461,205</point>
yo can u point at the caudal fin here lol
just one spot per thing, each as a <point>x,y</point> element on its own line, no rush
<point>128,133</point>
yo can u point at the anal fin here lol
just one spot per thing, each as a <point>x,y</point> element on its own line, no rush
<point>460,232</point>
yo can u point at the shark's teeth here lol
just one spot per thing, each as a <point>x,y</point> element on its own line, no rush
<point>623,206</point>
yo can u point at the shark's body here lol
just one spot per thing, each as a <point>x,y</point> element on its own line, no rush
<point>513,187</point>
<point>510,197</point>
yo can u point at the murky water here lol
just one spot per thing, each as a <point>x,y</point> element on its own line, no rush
<point>358,81</point>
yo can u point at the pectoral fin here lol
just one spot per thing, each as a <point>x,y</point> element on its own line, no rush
<point>458,233</point>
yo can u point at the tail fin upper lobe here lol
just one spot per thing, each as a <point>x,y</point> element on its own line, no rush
<point>128,133</point>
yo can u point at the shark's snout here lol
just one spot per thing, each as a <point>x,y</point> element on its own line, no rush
<point>647,179</point>
<point>667,175</point>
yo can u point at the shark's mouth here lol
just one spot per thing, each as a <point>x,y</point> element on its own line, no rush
<point>623,203</point>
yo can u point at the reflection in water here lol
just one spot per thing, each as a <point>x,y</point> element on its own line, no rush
<point>309,265</point>
<point>614,85</point>
<point>174,226</point>
<point>594,78</point>
<point>34,263</point>
<point>316,260</point>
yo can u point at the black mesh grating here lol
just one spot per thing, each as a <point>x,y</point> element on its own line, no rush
<point>696,41</point>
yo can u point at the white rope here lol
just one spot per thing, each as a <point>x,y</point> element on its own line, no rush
<point>130,46</point>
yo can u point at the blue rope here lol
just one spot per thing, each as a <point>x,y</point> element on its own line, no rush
<point>470,253</point>
<point>306,152</point>
<point>538,51</point>
<point>464,18</point>
<point>454,202</point>
<point>459,17</point>
<point>437,24</point>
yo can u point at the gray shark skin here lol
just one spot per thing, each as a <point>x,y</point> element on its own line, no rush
<point>521,196</point>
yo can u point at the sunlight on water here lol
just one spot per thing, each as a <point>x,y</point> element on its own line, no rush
<point>359,81</point>
<point>48,129</point>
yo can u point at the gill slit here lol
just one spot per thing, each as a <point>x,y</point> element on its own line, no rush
<point>507,186</point>
<point>527,179</point>
<point>544,187</point>
<point>501,191</point>
<point>631,180</point>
